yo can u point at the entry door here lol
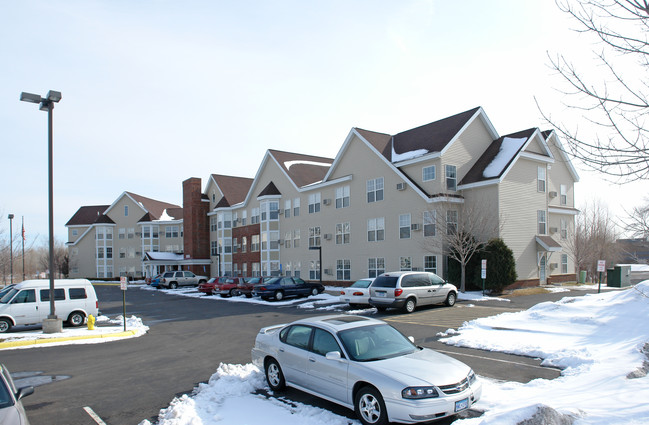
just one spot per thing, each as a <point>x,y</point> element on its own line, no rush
<point>542,264</point>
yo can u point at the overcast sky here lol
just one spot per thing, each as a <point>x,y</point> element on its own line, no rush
<point>155,92</point>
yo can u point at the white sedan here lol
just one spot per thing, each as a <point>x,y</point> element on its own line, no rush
<point>358,294</point>
<point>365,365</point>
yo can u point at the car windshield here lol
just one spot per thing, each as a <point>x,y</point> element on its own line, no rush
<point>363,283</point>
<point>5,392</point>
<point>273,281</point>
<point>375,342</point>
<point>385,282</point>
<point>7,296</point>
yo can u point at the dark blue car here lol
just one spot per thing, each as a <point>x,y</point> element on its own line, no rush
<point>281,287</point>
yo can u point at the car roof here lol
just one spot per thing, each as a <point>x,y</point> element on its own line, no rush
<point>45,283</point>
<point>339,322</point>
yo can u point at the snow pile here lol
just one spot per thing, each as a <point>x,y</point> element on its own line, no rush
<point>601,341</point>
<point>508,148</point>
<point>231,397</point>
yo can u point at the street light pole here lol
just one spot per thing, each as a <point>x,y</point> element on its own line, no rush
<point>47,104</point>
<point>11,247</point>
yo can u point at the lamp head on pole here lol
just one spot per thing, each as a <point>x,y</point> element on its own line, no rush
<point>10,216</point>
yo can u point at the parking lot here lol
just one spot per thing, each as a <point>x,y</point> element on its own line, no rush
<point>127,381</point>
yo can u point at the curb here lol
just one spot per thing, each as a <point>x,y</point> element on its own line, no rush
<point>13,344</point>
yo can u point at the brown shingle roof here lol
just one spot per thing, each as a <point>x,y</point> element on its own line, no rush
<point>380,141</point>
<point>235,189</point>
<point>270,189</point>
<point>302,169</point>
<point>476,173</point>
<point>154,207</point>
<point>88,215</point>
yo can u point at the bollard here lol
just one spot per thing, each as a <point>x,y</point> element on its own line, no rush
<point>91,322</point>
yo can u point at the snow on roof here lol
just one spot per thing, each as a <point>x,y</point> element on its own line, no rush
<point>398,157</point>
<point>165,256</point>
<point>508,148</point>
<point>289,164</point>
<point>165,217</point>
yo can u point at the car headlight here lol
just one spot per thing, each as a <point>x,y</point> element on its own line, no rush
<point>419,392</point>
<point>471,378</point>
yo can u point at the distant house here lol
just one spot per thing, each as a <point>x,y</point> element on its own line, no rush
<point>634,251</point>
<point>376,206</point>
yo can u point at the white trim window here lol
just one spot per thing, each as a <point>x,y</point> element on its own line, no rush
<point>287,239</point>
<point>244,244</point>
<point>451,222</point>
<point>563,194</point>
<point>430,263</point>
<point>376,229</point>
<point>451,177</point>
<point>404,226</point>
<point>214,248</point>
<point>405,264</point>
<point>342,197</point>
<point>296,238</point>
<point>542,222</point>
<point>314,270</point>
<point>540,179</point>
<point>343,233</point>
<point>430,218</point>
<point>296,207</point>
<point>564,229</point>
<point>314,203</point>
<point>314,236</point>
<point>428,173</point>
<point>343,269</point>
<point>244,217</point>
<point>375,190</point>
<point>564,263</point>
<point>254,243</point>
<point>375,266</point>
<point>287,208</point>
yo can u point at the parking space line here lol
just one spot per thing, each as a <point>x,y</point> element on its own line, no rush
<point>495,360</point>
<point>94,416</point>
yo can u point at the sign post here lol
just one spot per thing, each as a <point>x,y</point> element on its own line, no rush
<point>601,266</point>
<point>483,274</point>
<point>123,284</point>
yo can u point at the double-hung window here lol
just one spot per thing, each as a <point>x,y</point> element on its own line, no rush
<point>404,226</point>
<point>451,177</point>
<point>314,203</point>
<point>540,180</point>
<point>375,190</point>
<point>342,197</point>
<point>428,173</point>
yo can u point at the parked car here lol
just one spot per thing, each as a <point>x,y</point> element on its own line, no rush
<point>281,287</point>
<point>174,279</point>
<point>155,281</point>
<point>208,288</point>
<point>366,365</point>
<point>358,294</point>
<point>407,290</point>
<point>28,302</point>
<point>246,285</point>
<point>12,411</point>
<point>228,286</point>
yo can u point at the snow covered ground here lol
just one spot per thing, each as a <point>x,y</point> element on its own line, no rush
<point>601,341</point>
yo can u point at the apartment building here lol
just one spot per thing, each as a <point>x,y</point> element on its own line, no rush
<point>384,202</point>
<point>107,241</point>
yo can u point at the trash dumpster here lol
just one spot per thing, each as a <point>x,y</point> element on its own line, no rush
<point>619,276</point>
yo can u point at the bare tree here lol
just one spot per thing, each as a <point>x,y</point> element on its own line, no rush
<point>460,231</point>
<point>594,238</point>
<point>637,221</point>
<point>613,106</point>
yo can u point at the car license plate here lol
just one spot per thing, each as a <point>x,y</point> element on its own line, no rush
<point>381,294</point>
<point>461,405</point>
<point>346,299</point>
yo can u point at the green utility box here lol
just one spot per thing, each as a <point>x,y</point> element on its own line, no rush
<point>619,276</point>
<point>582,276</point>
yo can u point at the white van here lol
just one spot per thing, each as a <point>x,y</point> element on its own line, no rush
<point>28,302</point>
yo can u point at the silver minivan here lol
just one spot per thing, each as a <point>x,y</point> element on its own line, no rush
<point>407,290</point>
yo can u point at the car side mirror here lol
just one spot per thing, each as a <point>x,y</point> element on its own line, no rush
<point>411,339</point>
<point>24,392</point>
<point>333,355</point>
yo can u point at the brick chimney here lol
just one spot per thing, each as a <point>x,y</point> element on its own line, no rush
<point>195,221</point>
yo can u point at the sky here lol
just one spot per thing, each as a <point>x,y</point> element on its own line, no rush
<point>155,92</point>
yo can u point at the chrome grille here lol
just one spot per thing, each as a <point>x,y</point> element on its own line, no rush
<point>455,388</point>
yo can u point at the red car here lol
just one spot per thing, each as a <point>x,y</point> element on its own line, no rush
<point>228,287</point>
<point>247,284</point>
<point>208,287</point>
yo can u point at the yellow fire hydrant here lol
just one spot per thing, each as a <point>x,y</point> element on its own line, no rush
<point>91,322</point>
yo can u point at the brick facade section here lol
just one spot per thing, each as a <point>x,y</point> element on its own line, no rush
<point>196,240</point>
<point>245,257</point>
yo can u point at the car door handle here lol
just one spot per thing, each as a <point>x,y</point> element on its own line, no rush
<point>312,359</point>
<point>281,350</point>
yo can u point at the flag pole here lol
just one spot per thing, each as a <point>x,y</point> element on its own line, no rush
<point>23,234</point>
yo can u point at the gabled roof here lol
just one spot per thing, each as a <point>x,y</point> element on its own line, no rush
<point>269,190</point>
<point>153,207</point>
<point>88,215</point>
<point>564,156</point>
<point>169,214</point>
<point>233,188</point>
<point>498,157</point>
<point>302,170</point>
<point>433,137</point>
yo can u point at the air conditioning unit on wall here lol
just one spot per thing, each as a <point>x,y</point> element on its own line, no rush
<point>401,186</point>
<point>415,226</point>
<point>553,194</point>
<point>327,236</point>
<point>553,230</point>
<point>327,271</point>
<point>327,201</point>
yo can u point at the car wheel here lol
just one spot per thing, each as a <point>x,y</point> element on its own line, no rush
<point>410,305</point>
<point>76,318</point>
<point>248,295</point>
<point>369,407</point>
<point>5,325</point>
<point>274,375</point>
<point>314,291</point>
<point>279,295</point>
<point>450,299</point>
<point>208,292</point>
<point>233,292</point>
<point>201,281</point>
<point>381,308</point>
<point>173,285</point>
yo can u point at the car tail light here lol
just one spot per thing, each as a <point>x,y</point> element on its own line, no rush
<point>97,304</point>
<point>358,294</point>
<point>398,292</point>
<point>263,288</point>
<point>342,292</point>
